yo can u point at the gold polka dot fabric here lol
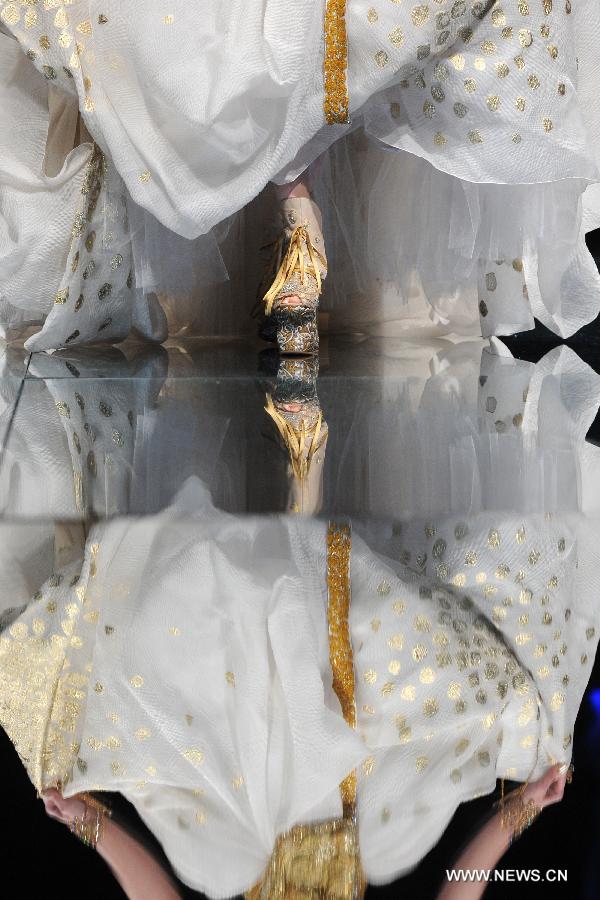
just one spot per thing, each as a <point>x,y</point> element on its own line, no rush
<point>45,665</point>
<point>95,299</point>
<point>471,670</point>
<point>488,78</point>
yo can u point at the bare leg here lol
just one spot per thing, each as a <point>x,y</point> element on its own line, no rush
<point>297,188</point>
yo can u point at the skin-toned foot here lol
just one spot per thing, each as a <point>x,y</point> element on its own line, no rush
<point>292,300</point>
<point>291,407</point>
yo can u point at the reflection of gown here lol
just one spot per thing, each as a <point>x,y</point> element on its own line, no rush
<point>488,102</point>
<point>185,664</point>
<point>450,429</point>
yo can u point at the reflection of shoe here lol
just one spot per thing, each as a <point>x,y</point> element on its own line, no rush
<point>296,412</point>
<point>296,379</point>
<point>297,269</point>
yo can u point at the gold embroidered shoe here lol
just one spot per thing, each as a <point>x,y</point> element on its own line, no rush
<point>296,275</point>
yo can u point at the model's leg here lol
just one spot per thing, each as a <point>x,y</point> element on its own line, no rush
<point>295,189</point>
<point>298,269</point>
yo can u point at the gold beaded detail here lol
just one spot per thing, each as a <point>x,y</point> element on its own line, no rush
<point>314,861</point>
<point>340,644</point>
<point>336,104</point>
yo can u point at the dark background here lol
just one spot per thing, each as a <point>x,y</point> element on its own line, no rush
<point>46,859</point>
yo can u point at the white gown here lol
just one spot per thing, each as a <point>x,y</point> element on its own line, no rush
<point>196,115</point>
<point>185,664</point>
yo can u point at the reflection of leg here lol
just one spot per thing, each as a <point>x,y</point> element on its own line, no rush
<point>305,495</point>
<point>295,410</point>
<point>298,267</point>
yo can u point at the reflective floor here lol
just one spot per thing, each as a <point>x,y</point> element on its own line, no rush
<point>167,519</point>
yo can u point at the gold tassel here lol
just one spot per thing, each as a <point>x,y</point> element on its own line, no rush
<point>294,260</point>
<point>296,442</point>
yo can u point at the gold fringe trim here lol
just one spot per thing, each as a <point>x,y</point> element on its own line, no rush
<point>301,443</point>
<point>293,261</point>
<point>314,862</point>
<point>336,104</point>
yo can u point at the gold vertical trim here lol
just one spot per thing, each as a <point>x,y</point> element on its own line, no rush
<point>323,859</point>
<point>340,645</point>
<point>336,104</point>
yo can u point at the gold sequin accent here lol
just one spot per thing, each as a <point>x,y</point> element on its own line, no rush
<point>194,755</point>
<point>340,645</point>
<point>420,15</point>
<point>337,102</point>
<point>396,37</point>
<point>42,698</point>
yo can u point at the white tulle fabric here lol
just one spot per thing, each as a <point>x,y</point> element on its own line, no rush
<point>498,124</point>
